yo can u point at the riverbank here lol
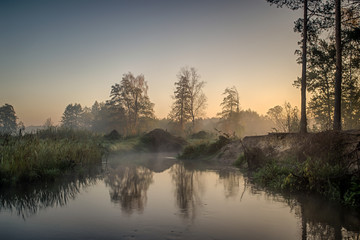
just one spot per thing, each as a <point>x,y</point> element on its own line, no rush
<point>325,163</point>
<point>48,154</point>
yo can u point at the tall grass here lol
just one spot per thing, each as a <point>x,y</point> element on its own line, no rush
<point>333,181</point>
<point>56,133</point>
<point>46,154</point>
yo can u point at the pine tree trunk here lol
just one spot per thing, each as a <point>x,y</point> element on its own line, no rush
<point>337,107</point>
<point>193,123</point>
<point>303,120</point>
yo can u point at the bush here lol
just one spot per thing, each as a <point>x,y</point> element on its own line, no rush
<point>240,161</point>
<point>200,135</point>
<point>204,149</point>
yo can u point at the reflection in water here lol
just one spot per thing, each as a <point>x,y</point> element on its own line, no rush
<point>231,181</point>
<point>219,205</point>
<point>320,219</point>
<point>128,186</point>
<point>29,199</point>
<point>325,221</point>
<point>188,187</point>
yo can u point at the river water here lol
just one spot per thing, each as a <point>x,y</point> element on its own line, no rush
<point>154,196</point>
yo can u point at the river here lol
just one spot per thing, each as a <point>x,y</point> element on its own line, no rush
<point>154,196</point>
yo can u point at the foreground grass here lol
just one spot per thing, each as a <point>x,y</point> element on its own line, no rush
<point>46,154</point>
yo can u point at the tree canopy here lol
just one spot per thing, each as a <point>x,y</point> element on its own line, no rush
<point>230,113</point>
<point>72,116</point>
<point>130,98</point>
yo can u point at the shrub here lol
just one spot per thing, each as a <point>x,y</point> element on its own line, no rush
<point>240,161</point>
<point>200,135</point>
<point>204,149</point>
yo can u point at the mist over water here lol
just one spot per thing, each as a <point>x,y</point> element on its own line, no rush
<point>158,197</point>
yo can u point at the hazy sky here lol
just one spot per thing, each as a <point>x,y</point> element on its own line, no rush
<point>53,53</point>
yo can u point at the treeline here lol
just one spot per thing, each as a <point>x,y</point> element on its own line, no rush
<point>129,111</point>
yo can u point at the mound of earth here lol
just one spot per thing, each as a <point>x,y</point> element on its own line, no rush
<point>328,147</point>
<point>230,152</point>
<point>113,135</point>
<point>159,140</point>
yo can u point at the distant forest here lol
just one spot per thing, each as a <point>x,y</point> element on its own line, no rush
<point>129,111</point>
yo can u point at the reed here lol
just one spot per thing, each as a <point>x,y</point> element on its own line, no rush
<point>45,155</point>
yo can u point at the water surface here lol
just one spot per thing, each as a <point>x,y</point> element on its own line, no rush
<point>153,196</point>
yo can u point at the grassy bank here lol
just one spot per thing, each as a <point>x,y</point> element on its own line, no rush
<point>46,154</point>
<point>325,163</point>
<point>333,181</point>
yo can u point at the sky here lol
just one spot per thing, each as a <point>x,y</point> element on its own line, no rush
<point>53,53</point>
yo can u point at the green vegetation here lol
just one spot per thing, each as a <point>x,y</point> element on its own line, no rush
<point>240,161</point>
<point>46,154</point>
<point>200,135</point>
<point>333,181</point>
<point>204,149</point>
<point>121,145</point>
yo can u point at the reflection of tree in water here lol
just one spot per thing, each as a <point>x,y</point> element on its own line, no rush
<point>321,219</point>
<point>316,230</point>
<point>128,186</point>
<point>29,199</point>
<point>231,181</point>
<point>187,189</point>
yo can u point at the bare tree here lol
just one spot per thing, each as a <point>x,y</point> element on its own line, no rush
<point>197,98</point>
<point>286,118</point>
<point>48,123</point>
